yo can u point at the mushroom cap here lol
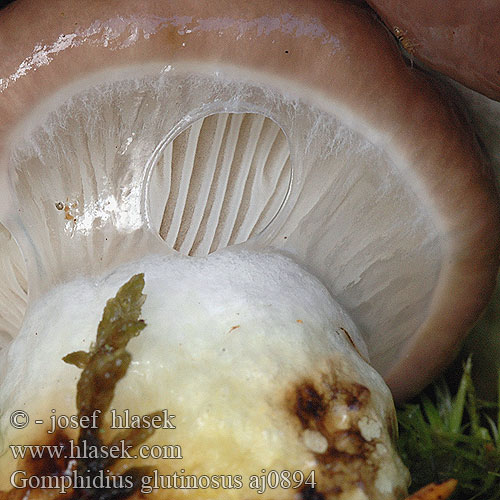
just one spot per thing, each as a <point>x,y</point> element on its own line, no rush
<point>458,38</point>
<point>406,238</point>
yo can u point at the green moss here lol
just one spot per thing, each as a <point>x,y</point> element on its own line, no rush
<point>444,436</point>
<point>103,366</point>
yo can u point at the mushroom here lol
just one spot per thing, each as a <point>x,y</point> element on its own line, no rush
<point>298,200</point>
<point>459,39</point>
<point>483,342</point>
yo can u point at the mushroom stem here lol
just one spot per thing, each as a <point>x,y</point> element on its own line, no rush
<point>216,325</point>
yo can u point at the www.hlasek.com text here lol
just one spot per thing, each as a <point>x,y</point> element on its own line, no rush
<point>72,450</point>
<point>259,482</point>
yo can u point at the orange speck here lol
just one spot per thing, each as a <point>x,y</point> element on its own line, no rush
<point>435,491</point>
<point>299,321</point>
<point>233,328</point>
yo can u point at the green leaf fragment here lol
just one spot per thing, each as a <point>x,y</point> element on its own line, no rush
<point>103,367</point>
<point>79,358</point>
<point>458,405</point>
<point>432,413</point>
<point>120,321</point>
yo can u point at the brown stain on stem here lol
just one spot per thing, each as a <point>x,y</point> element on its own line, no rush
<point>347,463</point>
